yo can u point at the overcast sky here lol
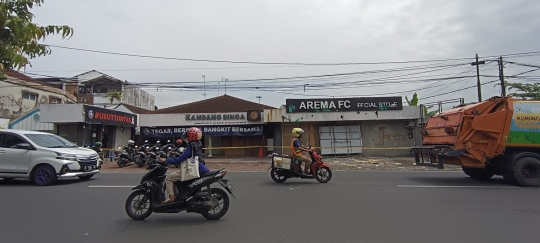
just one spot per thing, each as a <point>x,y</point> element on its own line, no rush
<point>309,31</point>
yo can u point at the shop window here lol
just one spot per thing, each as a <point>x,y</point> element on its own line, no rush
<point>30,96</point>
<point>103,90</point>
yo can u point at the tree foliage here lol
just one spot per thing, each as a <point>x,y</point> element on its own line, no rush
<point>114,95</point>
<point>524,91</point>
<point>19,36</point>
<point>414,102</point>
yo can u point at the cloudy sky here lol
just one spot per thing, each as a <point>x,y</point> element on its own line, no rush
<point>372,34</point>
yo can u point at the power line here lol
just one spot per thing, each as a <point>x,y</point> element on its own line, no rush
<point>253,62</point>
<point>287,63</point>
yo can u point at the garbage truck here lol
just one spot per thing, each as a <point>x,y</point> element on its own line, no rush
<point>498,136</point>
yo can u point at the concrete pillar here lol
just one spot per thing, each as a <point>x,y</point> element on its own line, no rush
<point>210,147</point>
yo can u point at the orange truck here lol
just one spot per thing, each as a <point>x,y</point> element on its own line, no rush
<point>499,136</point>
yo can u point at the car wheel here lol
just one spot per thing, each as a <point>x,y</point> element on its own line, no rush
<point>44,175</point>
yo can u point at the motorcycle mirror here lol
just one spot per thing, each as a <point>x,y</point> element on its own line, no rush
<point>145,141</point>
<point>169,148</point>
<point>147,147</point>
<point>119,148</point>
<point>136,146</point>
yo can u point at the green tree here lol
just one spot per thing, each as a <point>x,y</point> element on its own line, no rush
<point>524,91</point>
<point>114,95</point>
<point>19,36</point>
<point>414,102</point>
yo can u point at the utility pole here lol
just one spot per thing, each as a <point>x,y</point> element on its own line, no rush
<point>478,85</point>
<point>501,76</point>
<point>204,81</point>
<point>226,86</point>
<point>259,97</point>
<point>219,86</point>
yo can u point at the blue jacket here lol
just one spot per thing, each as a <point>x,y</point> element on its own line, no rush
<point>187,155</point>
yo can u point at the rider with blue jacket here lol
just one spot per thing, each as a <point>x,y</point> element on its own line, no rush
<point>194,148</point>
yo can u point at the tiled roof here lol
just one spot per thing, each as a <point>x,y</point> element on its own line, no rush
<point>17,75</point>
<point>224,103</point>
<point>135,109</point>
<point>21,79</point>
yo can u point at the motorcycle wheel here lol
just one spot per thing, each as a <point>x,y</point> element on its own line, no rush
<point>120,163</point>
<point>140,162</point>
<point>138,205</point>
<point>323,175</point>
<point>277,175</point>
<point>220,204</point>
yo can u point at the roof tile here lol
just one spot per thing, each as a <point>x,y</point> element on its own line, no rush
<point>224,103</point>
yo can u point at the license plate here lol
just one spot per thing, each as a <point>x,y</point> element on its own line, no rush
<point>88,167</point>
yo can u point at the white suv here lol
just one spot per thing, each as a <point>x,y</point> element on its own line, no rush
<point>44,157</point>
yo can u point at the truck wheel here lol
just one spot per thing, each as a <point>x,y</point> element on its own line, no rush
<point>509,177</point>
<point>527,172</point>
<point>479,173</point>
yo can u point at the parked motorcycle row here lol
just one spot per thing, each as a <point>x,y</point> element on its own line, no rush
<point>146,154</point>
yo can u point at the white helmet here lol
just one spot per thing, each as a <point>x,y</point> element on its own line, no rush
<point>131,142</point>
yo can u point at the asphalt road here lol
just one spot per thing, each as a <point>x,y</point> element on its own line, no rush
<point>355,206</point>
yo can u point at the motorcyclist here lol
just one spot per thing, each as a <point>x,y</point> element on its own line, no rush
<point>194,148</point>
<point>97,147</point>
<point>297,149</point>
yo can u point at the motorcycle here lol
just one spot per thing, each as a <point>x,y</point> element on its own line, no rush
<point>141,154</point>
<point>153,154</point>
<point>285,166</point>
<point>125,156</point>
<point>211,203</point>
<point>168,151</point>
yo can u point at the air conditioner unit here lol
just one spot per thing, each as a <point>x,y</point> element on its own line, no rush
<point>409,123</point>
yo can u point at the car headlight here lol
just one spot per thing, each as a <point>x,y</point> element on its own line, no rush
<point>63,156</point>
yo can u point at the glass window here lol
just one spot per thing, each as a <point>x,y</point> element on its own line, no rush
<point>10,141</point>
<point>50,141</point>
<point>29,96</point>
<point>56,101</point>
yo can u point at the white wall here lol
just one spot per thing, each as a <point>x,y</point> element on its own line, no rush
<point>62,113</point>
<point>12,104</point>
<point>4,123</point>
<point>280,115</point>
<point>122,137</point>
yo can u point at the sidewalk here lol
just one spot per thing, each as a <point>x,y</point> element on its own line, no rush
<point>345,163</point>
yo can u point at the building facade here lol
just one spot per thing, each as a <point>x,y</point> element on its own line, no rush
<point>85,124</point>
<point>21,96</point>
<point>93,87</point>
<point>230,126</point>
<point>373,126</point>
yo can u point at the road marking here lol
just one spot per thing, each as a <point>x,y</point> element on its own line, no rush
<point>427,186</point>
<point>97,186</point>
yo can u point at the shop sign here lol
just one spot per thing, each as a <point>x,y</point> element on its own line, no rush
<point>216,118</point>
<point>247,130</point>
<point>344,104</point>
<point>96,115</point>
